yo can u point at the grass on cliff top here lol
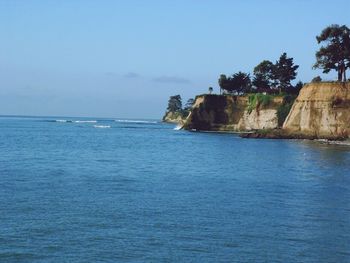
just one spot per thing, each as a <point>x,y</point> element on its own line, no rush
<point>328,81</point>
<point>258,100</point>
<point>282,94</point>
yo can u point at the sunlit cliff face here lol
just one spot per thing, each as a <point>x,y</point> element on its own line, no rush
<point>321,109</point>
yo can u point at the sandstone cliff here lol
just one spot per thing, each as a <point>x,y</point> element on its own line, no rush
<point>173,117</point>
<point>231,113</point>
<point>322,110</point>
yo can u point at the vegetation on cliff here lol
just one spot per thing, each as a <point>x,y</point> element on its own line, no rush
<point>271,78</point>
<point>175,111</point>
<point>266,100</point>
<point>238,83</point>
<point>258,100</point>
<point>284,109</point>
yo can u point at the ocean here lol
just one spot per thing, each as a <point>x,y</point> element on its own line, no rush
<point>119,190</point>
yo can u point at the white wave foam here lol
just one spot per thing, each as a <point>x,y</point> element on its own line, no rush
<point>178,127</point>
<point>79,121</point>
<point>102,126</point>
<point>135,121</point>
<point>61,121</point>
<point>346,142</point>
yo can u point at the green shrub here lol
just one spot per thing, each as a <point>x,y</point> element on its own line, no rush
<point>264,99</point>
<point>284,109</point>
<point>251,103</point>
<point>258,100</point>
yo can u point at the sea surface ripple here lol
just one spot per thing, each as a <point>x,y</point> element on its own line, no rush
<point>141,191</point>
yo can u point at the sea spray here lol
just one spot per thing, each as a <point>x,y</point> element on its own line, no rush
<point>178,127</point>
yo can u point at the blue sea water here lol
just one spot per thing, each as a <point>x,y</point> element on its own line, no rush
<point>140,191</point>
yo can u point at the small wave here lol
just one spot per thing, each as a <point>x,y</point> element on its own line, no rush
<point>346,142</point>
<point>63,120</point>
<point>79,121</point>
<point>136,121</point>
<point>102,126</point>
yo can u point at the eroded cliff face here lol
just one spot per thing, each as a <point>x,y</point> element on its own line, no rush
<point>230,113</point>
<point>258,119</point>
<point>173,117</point>
<point>321,110</point>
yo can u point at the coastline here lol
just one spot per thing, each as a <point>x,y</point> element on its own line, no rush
<point>320,111</point>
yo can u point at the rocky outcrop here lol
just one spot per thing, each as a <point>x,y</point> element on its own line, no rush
<point>231,113</point>
<point>283,134</point>
<point>173,117</point>
<point>322,110</point>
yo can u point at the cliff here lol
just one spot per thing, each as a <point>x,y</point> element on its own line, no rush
<point>174,117</point>
<point>233,113</point>
<point>322,110</point>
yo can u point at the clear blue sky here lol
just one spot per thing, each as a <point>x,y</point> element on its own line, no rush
<point>125,58</point>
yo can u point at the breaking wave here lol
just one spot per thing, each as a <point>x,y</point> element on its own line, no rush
<point>102,126</point>
<point>178,127</point>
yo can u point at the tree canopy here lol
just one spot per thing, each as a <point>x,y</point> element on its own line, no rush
<point>238,83</point>
<point>316,79</point>
<point>269,77</point>
<point>241,82</point>
<point>263,75</point>
<point>189,104</point>
<point>335,54</point>
<point>284,72</point>
<point>174,103</point>
<point>223,82</point>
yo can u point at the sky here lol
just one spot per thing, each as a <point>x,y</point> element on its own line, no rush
<point>123,59</point>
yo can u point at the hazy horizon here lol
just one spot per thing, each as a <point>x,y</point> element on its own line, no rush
<point>124,59</point>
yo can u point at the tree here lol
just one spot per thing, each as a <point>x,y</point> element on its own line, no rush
<point>210,90</point>
<point>222,82</point>
<point>263,75</point>
<point>299,85</point>
<point>260,83</point>
<point>284,71</point>
<point>189,104</point>
<point>316,79</point>
<point>335,55</point>
<point>296,89</point>
<point>174,103</point>
<point>240,82</point>
<point>188,107</point>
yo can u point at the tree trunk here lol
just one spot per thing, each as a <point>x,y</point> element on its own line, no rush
<point>340,74</point>
<point>342,70</point>
<point>344,75</point>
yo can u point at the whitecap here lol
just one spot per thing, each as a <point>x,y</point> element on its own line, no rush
<point>102,126</point>
<point>61,120</point>
<point>178,127</point>
<point>136,121</point>
<point>79,121</point>
<point>325,141</point>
